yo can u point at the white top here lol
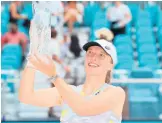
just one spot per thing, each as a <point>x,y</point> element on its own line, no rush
<point>68,116</point>
<point>118,13</point>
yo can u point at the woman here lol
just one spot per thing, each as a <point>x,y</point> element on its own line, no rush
<point>119,15</point>
<point>94,101</point>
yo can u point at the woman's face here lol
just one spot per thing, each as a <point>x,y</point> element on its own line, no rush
<point>97,61</point>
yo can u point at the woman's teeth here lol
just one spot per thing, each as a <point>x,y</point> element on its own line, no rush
<point>93,65</point>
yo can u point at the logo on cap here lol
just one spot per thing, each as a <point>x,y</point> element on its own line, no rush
<point>106,47</point>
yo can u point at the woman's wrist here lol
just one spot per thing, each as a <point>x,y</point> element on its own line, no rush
<point>52,74</point>
<point>57,81</point>
<point>53,78</point>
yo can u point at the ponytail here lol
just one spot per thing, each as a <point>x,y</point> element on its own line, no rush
<point>108,77</point>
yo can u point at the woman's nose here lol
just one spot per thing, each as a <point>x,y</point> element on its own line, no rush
<point>94,57</point>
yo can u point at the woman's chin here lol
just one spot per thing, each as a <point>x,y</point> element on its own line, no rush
<point>93,73</point>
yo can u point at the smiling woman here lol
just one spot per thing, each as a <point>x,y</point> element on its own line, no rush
<point>92,102</point>
<point>101,56</point>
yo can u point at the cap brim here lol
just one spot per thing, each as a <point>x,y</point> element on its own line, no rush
<point>89,44</point>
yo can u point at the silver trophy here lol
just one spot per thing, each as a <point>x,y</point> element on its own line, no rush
<point>40,29</point>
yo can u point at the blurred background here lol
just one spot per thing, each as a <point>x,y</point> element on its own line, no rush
<point>137,27</point>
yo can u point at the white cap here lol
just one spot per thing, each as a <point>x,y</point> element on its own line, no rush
<point>107,46</point>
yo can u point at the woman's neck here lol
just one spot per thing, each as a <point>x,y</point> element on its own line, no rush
<point>93,83</point>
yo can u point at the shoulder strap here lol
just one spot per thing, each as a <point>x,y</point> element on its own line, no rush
<point>102,88</point>
<point>105,85</point>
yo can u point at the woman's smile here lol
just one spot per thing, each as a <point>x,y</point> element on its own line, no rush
<point>93,65</point>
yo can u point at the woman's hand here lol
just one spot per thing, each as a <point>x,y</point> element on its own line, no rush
<point>43,63</point>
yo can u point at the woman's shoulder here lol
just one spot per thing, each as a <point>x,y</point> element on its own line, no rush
<point>117,89</point>
<point>112,86</point>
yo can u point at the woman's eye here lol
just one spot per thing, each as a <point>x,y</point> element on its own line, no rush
<point>102,55</point>
<point>89,52</point>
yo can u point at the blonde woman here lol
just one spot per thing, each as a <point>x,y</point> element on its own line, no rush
<point>95,101</point>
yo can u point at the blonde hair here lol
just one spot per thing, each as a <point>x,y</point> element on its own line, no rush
<point>106,34</point>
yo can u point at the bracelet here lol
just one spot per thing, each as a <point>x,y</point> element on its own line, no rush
<point>53,78</point>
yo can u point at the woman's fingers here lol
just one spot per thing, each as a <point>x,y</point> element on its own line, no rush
<point>37,57</point>
<point>33,60</point>
<point>42,59</point>
<point>43,63</point>
<point>51,61</point>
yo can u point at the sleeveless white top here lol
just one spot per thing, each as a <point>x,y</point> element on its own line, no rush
<point>68,116</point>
